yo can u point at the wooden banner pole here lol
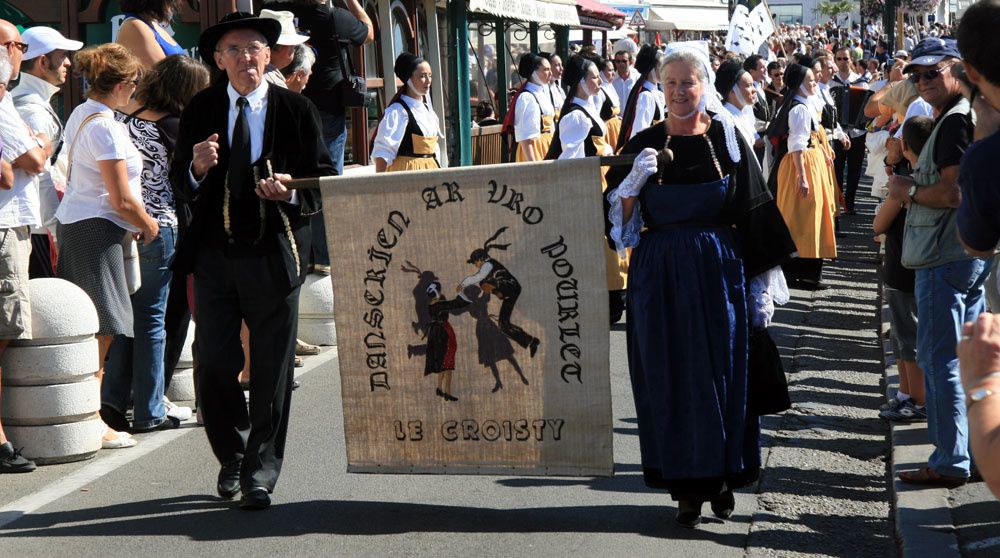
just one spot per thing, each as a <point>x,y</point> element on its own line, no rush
<point>302,183</point>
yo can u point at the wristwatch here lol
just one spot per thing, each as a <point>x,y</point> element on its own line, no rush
<point>912,192</point>
<point>977,395</point>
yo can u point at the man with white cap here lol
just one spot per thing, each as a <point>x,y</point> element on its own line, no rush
<point>283,52</point>
<point>44,69</point>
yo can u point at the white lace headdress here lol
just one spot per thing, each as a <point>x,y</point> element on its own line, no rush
<point>710,99</point>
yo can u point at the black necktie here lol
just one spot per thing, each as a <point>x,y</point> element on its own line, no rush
<point>239,153</point>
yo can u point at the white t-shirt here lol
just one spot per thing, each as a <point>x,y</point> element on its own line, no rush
<point>918,107</point>
<point>102,139</point>
<point>19,206</point>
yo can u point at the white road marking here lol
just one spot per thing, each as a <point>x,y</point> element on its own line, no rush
<point>119,458</point>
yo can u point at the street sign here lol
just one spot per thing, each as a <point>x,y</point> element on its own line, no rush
<point>636,21</point>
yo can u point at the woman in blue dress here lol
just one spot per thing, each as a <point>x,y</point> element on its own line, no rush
<point>711,229</point>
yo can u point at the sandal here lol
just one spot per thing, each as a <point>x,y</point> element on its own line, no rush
<point>925,476</point>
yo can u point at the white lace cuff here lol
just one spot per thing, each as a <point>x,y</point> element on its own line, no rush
<point>766,290</point>
<point>625,235</point>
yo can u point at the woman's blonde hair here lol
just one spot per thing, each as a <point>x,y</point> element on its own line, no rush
<point>106,66</point>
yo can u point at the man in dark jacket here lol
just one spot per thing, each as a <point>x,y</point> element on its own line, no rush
<point>239,141</point>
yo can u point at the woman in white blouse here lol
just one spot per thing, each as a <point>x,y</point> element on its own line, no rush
<point>407,135</point>
<point>802,175</point>
<point>102,204</point>
<point>608,102</point>
<point>645,104</point>
<point>582,133</point>
<point>534,114</point>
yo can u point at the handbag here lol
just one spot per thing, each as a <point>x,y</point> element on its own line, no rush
<point>767,387</point>
<point>133,275</point>
<point>352,89</point>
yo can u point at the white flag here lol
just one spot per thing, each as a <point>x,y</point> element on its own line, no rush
<point>748,29</point>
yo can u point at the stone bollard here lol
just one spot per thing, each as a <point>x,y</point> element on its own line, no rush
<point>182,384</point>
<point>50,396</point>
<point>316,323</point>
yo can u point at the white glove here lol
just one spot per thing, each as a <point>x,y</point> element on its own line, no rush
<point>643,167</point>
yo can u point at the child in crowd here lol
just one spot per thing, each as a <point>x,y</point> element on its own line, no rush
<point>908,405</point>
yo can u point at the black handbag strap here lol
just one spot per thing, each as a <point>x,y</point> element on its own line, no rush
<point>341,51</point>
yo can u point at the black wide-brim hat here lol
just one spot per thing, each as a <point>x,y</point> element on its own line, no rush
<point>270,28</point>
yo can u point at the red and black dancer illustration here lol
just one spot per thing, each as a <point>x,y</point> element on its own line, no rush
<point>493,278</point>
<point>432,321</point>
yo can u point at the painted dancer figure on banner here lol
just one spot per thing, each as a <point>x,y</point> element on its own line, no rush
<point>493,345</point>
<point>439,355</point>
<point>497,280</point>
<point>421,300</point>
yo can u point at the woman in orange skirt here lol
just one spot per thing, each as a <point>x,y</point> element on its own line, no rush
<point>801,176</point>
<point>407,135</point>
<point>533,117</point>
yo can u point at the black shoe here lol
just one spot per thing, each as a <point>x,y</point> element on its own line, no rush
<point>229,479</point>
<point>688,514</point>
<point>439,393</point>
<point>724,504</point>
<point>168,423</point>
<point>114,419</point>
<point>255,498</point>
<point>448,397</point>
<point>11,460</point>
<point>497,387</point>
<point>533,347</point>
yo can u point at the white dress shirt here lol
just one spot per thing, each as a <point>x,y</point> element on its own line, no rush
<point>531,105</point>
<point>649,100</point>
<point>33,97</point>
<point>624,86</point>
<point>557,94</point>
<point>19,206</point>
<point>801,120</point>
<point>575,127</point>
<point>392,129</point>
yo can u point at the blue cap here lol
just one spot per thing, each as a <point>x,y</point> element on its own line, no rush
<point>932,50</point>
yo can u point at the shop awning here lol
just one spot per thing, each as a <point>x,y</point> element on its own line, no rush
<point>687,18</point>
<point>551,12</point>
<point>597,9</point>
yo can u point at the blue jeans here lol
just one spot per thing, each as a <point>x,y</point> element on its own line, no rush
<point>136,365</point>
<point>947,296</point>
<point>335,137</point>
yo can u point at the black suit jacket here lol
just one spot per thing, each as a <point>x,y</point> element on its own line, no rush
<point>293,142</point>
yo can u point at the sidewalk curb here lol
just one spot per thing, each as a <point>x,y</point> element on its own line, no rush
<point>922,516</point>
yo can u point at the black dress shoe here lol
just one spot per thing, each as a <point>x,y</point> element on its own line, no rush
<point>255,498</point>
<point>724,504</point>
<point>533,346</point>
<point>229,479</point>
<point>688,514</point>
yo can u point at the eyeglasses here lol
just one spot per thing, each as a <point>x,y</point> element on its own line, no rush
<point>840,59</point>
<point>17,44</point>
<point>253,49</point>
<point>929,75</point>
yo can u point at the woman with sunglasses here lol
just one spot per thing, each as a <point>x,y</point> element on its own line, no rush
<point>103,206</point>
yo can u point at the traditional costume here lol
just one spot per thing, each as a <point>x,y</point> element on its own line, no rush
<point>644,106</point>
<point>609,105</point>
<point>703,227</point>
<point>581,133</point>
<point>533,117</point>
<point>248,258</point>
<point>798,128</point>
<point>407,134</point>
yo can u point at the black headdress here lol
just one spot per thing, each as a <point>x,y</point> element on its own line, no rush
<point>795,74</point>
<point>647,60</point>
<point>481,254</point>
<point>727,76</point>
<point>528,63</point>
<point>406,64</point>
<point>574,72</point>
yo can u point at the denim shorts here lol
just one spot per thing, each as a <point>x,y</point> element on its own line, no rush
<point>903,321</point>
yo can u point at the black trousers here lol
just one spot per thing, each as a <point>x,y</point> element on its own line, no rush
<point>852,159</point>
<point>228,290</point>
<point>515,333</point>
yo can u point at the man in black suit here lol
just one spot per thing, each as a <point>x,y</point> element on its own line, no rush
<point>247,245</point>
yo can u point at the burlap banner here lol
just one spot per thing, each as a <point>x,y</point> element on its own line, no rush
<point>472,319</point>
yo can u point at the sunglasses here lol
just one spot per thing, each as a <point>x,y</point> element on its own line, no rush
<point>929,75</point>
<point>842,59</point>
<point>17,44</point>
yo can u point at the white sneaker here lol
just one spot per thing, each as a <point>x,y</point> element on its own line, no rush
<point>176,411</point>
